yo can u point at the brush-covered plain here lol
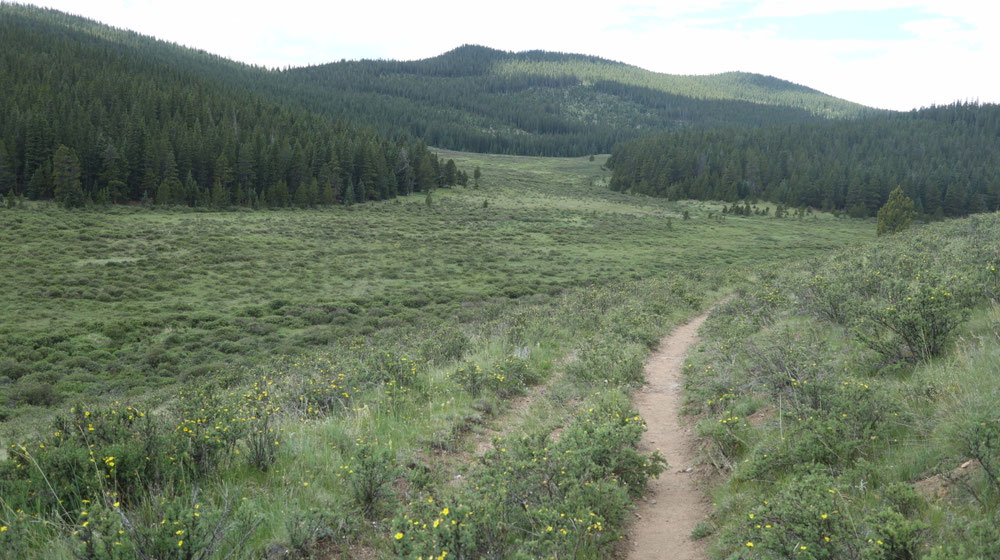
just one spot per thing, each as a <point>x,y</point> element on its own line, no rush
<point>126,300</point>
<point>187,384</point>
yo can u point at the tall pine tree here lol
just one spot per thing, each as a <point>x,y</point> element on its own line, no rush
<point>66,178</point>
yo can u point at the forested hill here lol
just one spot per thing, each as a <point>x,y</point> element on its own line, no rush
<point>947,159</point>
<point>543,103</point>
<point>92,112</point>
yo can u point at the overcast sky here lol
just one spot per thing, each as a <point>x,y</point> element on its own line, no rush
<point>897,54</point>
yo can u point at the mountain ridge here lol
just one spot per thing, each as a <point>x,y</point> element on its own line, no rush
<point>462,52</point>
<point>475,98</point>
<point>548,103</point>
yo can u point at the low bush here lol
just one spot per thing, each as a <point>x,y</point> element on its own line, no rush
<point>444,345</point>
<point>506,378</point>
<point>804,520</point>
<point>174,527</point>
<point>534,498</point>
<point>368,474</point>
<point>913,320</point>
<point>981,441</point>
<point>609,360</point>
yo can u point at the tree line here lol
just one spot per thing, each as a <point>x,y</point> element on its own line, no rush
<point>945,158</point>
<point>97,114</point>
<point>152,120</point>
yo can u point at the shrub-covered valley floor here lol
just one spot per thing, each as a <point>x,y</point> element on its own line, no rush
<point>391,379</point>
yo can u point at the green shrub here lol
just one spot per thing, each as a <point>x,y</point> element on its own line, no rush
<point>381,367</point>
<point>470,377</point>
<point>701,530</point>
<point>368,474</point>
<point>609,360</point>
<point>444,345</point>
<point>990,279</point>
<point>324,393</point>
<point>903,497</point>
<point>163,527</point>
<point>506,378</point>
<point>893,536</point>
<point>828,296</point>
<point>748,311</point>
<point>12,369</point>
<point>804,520</point>
<point>981,441</point>
<point>315,531</point>
<point>978,537</point>
<point>262,443</point>
<point>510,376</point>
<point>34,393</point>
<point>120,450</point>
<point>534,499</point>
<point>728,436</point>
<point>914,318</point>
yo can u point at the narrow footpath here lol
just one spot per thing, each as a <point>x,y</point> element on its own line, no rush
<point>674,503</point>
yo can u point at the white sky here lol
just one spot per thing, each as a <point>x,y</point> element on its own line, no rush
<point>897,54</point>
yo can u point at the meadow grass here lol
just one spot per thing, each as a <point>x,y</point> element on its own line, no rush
<point>849,404</point>
<point>310,375</point>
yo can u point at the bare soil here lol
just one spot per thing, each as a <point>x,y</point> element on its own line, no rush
<point>674,502</point>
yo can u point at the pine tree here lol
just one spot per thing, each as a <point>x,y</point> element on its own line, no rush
<point>164,196</point>
<point>66,178</point>
<point>729,187</point>
<point>307,193</point>
<point>327,195</point>
<point>349,197</point>
<point>219,196</point>
<point>954,199</point>
<point>224,173</point>
<point>450,173</point>
<point>36,146</point>
<point>424,175</point>
<point>40,184</point>
<point>404,172</point>
<point>277,194</point>
<point>192,192</point>
<point>246,174</point>
<point>896,214</point>
<point>8,179</point>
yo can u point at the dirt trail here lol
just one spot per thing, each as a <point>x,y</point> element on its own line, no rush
<point>674,503</point>
<point>520,409</point>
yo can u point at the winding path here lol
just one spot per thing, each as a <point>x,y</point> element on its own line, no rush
<point>674,502</point>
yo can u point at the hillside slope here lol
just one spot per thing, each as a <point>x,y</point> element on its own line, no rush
<point>544,103</point>
<point>96,113</point>
<point>945,159</point>
<point>140,113</point>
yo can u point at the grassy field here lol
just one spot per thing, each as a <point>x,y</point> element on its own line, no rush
<point>127,300</point>
<point>318,376</point>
